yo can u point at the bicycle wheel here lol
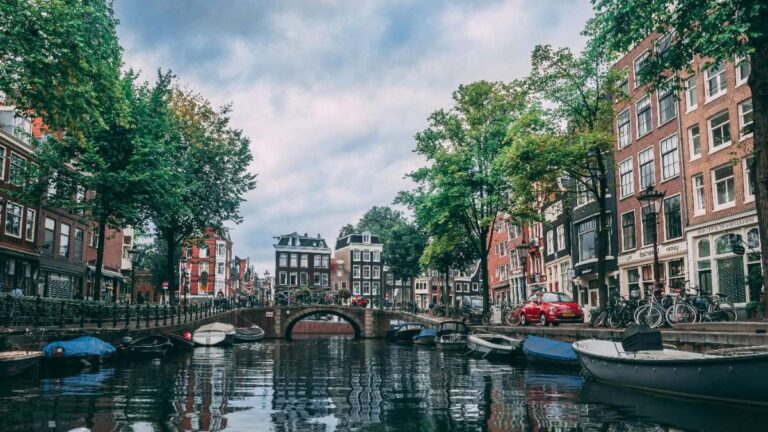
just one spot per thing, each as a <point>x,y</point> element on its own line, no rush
<point>511,318</point>
<point>640,314</point>
<point>655,316</point>
<point>681,313</point>
<point>600,319</point>
<point>615,318</point>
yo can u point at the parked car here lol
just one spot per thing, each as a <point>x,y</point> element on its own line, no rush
<point>359,301</point>
<point>551,308</point>
<point>472,309</point>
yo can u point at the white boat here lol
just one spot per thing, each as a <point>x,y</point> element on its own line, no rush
<point>214,334</point>
<point>452,342</point>
<point>249,334</point>
<point>493,345</point>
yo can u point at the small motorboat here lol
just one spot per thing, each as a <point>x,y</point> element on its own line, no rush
<point>214,334</point>
<point>249,334</point>
<point>425,337</point>
<point>451,342</point>
<point>549,351</point>
<point>492,345</point>
<point>181,342</point>
<point>729,375</point>
<point>14,363</point>
<point>394,325</point>
<point>406,332</point>
<point>150,346</point>
<point>80,352</point>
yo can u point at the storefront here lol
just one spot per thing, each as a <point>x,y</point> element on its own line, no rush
<point>558,279</point>
<point>726,258</point>
<point>60,278</point>
<point>18,270</point>
<point>112,285</point>
<point>636,269</point>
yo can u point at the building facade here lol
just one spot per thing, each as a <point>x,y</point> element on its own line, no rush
<point>205,267</point>
<point>302,261</point>
<point>360,255</point>
<point>557,248</point>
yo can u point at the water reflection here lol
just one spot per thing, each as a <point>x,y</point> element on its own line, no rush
<point>339,385</point>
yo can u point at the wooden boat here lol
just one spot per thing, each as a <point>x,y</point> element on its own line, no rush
<point>214,334</point>
<point>731,375</point>
<point>181,342</point>
<point>493,345</point>
<point>425,337</point>
<point>14,363</point>
<point>80,352</point>
<point>249,334</point>
<point>549,351</point>
<point>451,342</point>
<point>406,332</point>
<point>149,346</point>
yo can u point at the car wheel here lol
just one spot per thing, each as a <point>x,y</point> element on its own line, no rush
<point>543,319</point>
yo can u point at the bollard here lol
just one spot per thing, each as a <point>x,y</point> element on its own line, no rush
<point>114,316</point>
<point>157,314</point>
<point>147,320</point>
<point>138,317</point>
<point>165,313</point>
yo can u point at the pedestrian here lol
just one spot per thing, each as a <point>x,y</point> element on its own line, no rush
<point>16,292</point>
<point>139,298</point>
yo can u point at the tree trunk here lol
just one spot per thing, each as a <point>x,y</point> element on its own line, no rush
<point>170,265</point>
<point>602,233</point>
<point>485,273</point>
<point>102,224</point>
<point>758,84</point>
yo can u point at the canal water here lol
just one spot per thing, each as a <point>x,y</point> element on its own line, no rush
<point>341,384</point>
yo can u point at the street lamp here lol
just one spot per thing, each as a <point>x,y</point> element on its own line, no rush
<point>650,199</point>
<point>133,255</point>
<point>523,248</point>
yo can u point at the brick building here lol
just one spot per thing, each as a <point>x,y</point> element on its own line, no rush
<point>206,266</point>
<point>302,261</point>
<point>360,255</point>
<point>499,267</point>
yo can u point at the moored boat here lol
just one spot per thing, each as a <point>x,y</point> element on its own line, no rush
<point>149,346</point>
<point>214,334</point>
<point>425,337</point>
<point>14,363</point>
<point>731,375</point>
<point>394,325</point>
<point>181,342</point>
<point>549,351</point>
<point>452,336</point>
<point>83,351</point>
<point>491,345</point>
<point>249,334</point>
<point>406,332</point>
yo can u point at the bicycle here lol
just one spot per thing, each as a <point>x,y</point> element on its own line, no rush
<point>652,313</point>
<point>513,315</point>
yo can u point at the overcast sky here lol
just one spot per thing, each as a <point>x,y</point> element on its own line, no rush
<point>332,92</point>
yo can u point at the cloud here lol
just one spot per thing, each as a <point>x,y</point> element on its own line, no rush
<point>332,92</point>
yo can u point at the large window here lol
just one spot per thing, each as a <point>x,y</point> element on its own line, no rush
<point>587,240</point>
<point>749,179</point>
<point>550,242</point>
<point>699,204</point>
<point>48,237</point>
<point>2,163</point>
<point>13,219</point>
<point>629,241</point>
<point>644,122</point>
<point>366,272</point>
<point>716,83</point>
<point>64,240</point>
<point>304,261</point>
<point>355,271</point>
<point>356,254</point>
<point>15,175</point>
<point>78,246</point>
<point>283,279</point>
<point>283,260</point>
<point>560,237</point>
<point>366,255</point>
<point>316,261</point>
<point>638,64</point>
<point>743,69</point>
<point>691,98</point>
<point>719,131</point>
<point>722,186</point>
<point>667,105</point>
<point>649,226</point>
<point>745,119</point>
<point>670,160</point>
<point>627,177</point>
<point>303,279</point>
<point>694,139</point>
<point>294,260</point>
<point>647,170</point>
<point>366,288</point>
<point>375,272</point>
<point>623,129</point>
<point>673,224</point>
<point>29,226</point>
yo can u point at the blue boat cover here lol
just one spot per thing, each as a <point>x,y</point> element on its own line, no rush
<point>426,333</point>
<point>84,346</point>
<point>549,349</point>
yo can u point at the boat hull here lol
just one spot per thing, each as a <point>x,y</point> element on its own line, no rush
<point>406,336</point>
<point>213,338</point>
<point>480,347</point>
<point>181,344</point>
<point>424,340</point>
<point>451,346</point>
<point>15,365</point>
<point>728,378</point>
<point>151,346</point>
<point>249,334</point>
<point>549,352</point>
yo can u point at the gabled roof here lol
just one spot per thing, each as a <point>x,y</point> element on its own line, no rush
<point>303,240</point>
<point>357,238</point>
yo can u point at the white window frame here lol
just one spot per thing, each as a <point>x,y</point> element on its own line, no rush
<point>742,125</point>
<point>691,91</point>
<point>749,196</point>
<point>283,278</point>
<point>375,272</point>
<point>722,82</point>
<point>694,155</point>
<point>699,195</point>
<point>560,237</point>
<point>672,153</point>
<point>627,167</point>
<point>621,221</point>
<point>8,206</point>
<point>672,95</point>
<point>30,214</point>
<point>628,135</point>
<point>711,136</point>
<point>356,271</point>
<point>356,288</point>
<point>740,80</point>
<point>367,256</point>
<point>282,259</point>
<point>550,242</point>
<point>715,204</point>
<point>680,210</point>
<point>10,166</point>
<point>642,56</point>
<point>644,101</point>
<point>647,150</point>
<point>3,157</point>
<point>356,254</point>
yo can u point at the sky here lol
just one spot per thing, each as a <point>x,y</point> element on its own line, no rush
<point>332,92</point>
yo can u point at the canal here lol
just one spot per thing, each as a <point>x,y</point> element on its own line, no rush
<point>337,384</point>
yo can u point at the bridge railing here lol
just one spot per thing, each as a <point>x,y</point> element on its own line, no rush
<point>61,313</point>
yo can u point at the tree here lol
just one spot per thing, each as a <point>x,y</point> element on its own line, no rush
<point>451,250</point>
<point>572,141</point>
<point>60,60</point>
<point>462,186</point>
<point>715,31</point>
<point>380,220</point>
<point>346,230</point>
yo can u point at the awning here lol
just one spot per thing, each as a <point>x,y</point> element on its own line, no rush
<point>107,273</point>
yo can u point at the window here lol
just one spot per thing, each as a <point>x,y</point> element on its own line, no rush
<point>722,185</point>
<point>745,119</point>
<point>316,279</point>
<point>64,240</point>
<point>691,98</point>
<point>649,226</point>
<point>474,286</point>
<point>629,241</point>
<point>283,260</point>
<point>356,288</point>
<point>220,250</point>
<point>587,240</point>
<point>294,279</point>
<point>699,205</point>
<point>202,251</point>
<point>719,131</point>
<point>355,271</point>
<point>694,139</point>
<point>220,268</point>
<point>29,227</point>
<point>375,288</point>
<point>676,274</point>
<point>366,256</point>
<point>376,256</point>
<point>316,261</point>
<point>583,194</point>
<point>644,123</point>
<point>749,179</point>
<point>325,279</point>
<point>743,69</point>
<point>560,237</point>
<point>303,279</point>
<point>623,129</point>
<point>627,177</point>
<point>647,171</point>
<point>667,105</point>
<point>2,163</point>
<point>376,270</point>
<point>550,242</point>
<point>79,237</point>
<point>673,224</point>
<point>716,84</point>
<point>325,260</point>
<point>638,64</point>
<point>283,278</point>
<point>366,272</point>
<point>13,219</point>
<point>670,161</point>
<point>294,260</point>
<point>15,174</point>
<point>304,261</point>
<point>623,84</point>
<point>356,255</point>
<point>366,288</point>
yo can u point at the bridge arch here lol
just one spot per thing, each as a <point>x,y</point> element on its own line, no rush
<point>293,319</point>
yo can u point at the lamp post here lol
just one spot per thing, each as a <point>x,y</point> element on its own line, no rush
<point>133,255</point>
<point>523,249</point>
<point>650,199</point>
<point>269,287</point>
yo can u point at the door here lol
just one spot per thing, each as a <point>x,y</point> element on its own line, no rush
<point>730,278</point>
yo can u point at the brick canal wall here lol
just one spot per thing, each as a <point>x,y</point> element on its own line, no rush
<point>323,327</point>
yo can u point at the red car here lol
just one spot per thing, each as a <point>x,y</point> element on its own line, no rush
<point>551,308</point>
<point>359,301</point>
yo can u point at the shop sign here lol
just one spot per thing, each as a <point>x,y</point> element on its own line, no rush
<point>270,314</point>
<point>646,254</point>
